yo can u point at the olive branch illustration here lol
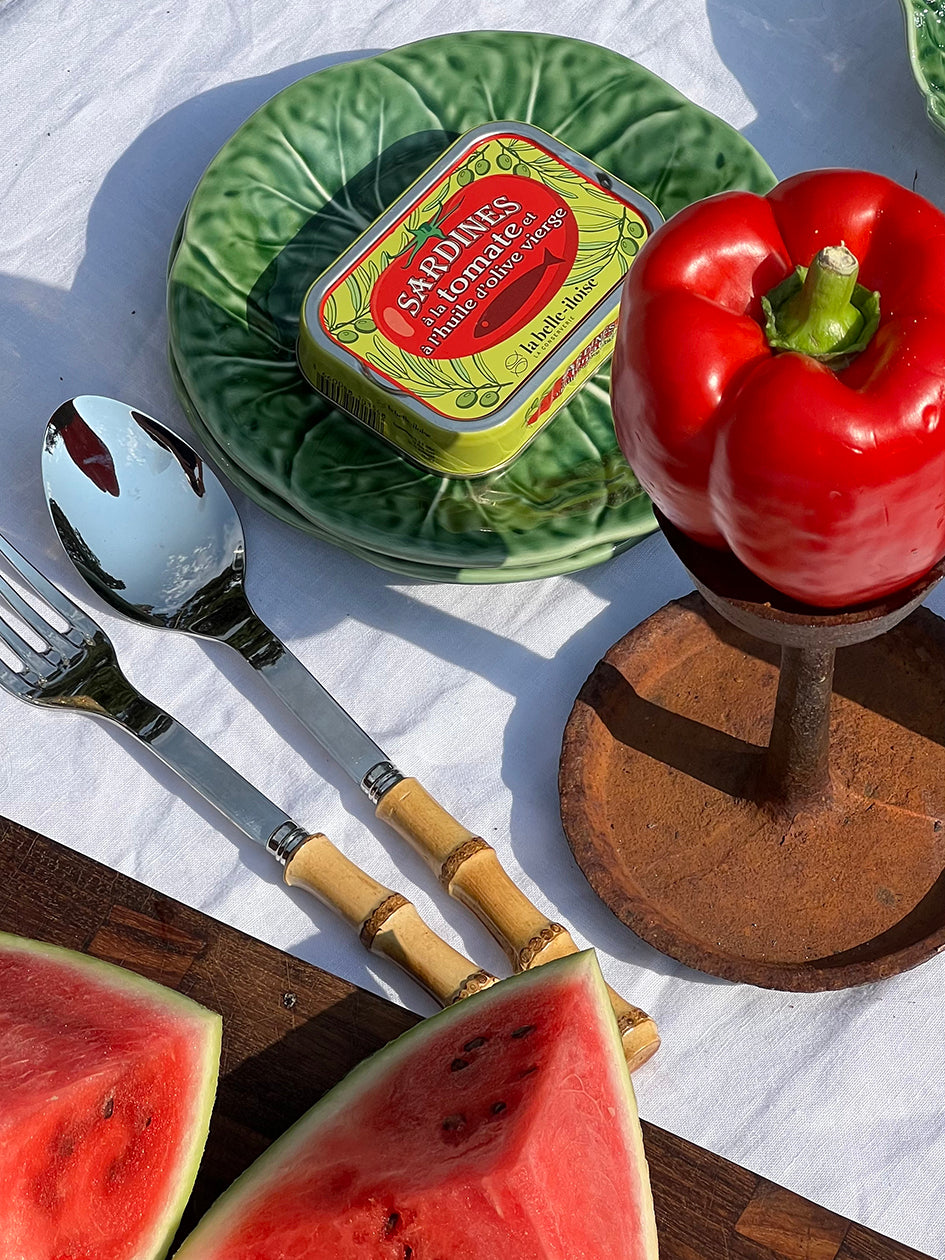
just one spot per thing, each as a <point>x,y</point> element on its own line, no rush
<point>359,298</point>
<point>623,234</point>
<point>530,162</point>
<point>430,378</point>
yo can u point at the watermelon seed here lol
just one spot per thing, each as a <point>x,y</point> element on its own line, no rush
<point>392,1222</point>
<point>109,1108</point>
<point>476,1044</point>
<point>498,1108</point>
<point>408,1251</point>
<point>452,1123</point>
<point>523,1032</point>
<point>528,1071</point>
<point>458,1064</point>
<point>147,1123</point>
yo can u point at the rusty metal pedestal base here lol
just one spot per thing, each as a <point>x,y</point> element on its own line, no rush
<point>748,861</point>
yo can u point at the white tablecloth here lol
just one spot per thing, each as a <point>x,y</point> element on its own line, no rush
<point>110,112</point>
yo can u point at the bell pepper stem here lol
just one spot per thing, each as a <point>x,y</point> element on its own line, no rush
<point>820,310</point>
<point>820,318</point>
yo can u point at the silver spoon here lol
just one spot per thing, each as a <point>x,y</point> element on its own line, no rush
<point>152,530</point>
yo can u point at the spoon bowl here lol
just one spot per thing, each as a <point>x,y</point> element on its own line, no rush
<point>142,518</point>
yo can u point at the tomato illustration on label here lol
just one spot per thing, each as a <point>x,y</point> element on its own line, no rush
<point>478,270</point>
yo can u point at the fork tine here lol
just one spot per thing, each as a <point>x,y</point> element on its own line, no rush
<point>32,618</point>
<point>51,594</point>
<point>31,659</point>
<point>15,683</point>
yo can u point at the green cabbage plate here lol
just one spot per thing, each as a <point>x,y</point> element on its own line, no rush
<point>299,181</point>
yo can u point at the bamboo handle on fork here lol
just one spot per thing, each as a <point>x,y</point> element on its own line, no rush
<point>386,922</point>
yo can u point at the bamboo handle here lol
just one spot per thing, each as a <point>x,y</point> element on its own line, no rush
<point>469,870</point>
<point>387,922</point>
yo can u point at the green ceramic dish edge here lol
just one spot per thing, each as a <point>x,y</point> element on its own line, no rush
<point>925,41</point>
<point>415,570</point>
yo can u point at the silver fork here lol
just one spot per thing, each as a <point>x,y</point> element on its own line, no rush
<point>78,669</point>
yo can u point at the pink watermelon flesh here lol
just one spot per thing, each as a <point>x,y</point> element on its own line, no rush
<point>106,1085</point>
<point>502,1127</point>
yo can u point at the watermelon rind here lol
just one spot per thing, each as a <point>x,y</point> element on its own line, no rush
<point>210,1024</point>
<point>263,1176</point>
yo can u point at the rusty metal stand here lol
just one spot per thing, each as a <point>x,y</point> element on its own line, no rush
<point>803,850</point>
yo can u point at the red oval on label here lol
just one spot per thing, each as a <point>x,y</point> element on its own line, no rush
<point>479,270</point>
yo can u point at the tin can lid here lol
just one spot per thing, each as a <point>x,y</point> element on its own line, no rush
<point>481,280</point>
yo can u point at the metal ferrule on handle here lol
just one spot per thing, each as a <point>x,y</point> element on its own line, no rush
<point>379,780</point>
<point>285,842</point>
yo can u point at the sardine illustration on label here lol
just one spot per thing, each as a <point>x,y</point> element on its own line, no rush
<point>512,301</point>
<point>475,307</point>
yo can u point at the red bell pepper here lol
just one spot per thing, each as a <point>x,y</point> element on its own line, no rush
<point>763,412</point>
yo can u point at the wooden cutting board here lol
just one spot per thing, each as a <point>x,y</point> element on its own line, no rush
<point>291,1031</point>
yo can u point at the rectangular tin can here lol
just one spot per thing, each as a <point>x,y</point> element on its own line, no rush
<point>479,303</point>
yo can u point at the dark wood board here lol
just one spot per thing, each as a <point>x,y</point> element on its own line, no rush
<point>291,1031</point>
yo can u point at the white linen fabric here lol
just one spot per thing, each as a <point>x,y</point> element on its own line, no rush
<point>110,113</point>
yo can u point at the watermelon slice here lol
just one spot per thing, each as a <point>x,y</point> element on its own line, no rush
<point>502,1127</point>
<point>106,1086</point>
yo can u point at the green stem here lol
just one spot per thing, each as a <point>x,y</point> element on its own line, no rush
<point>821,311</point>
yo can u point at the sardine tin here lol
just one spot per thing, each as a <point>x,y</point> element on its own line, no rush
<point>478,304</point>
